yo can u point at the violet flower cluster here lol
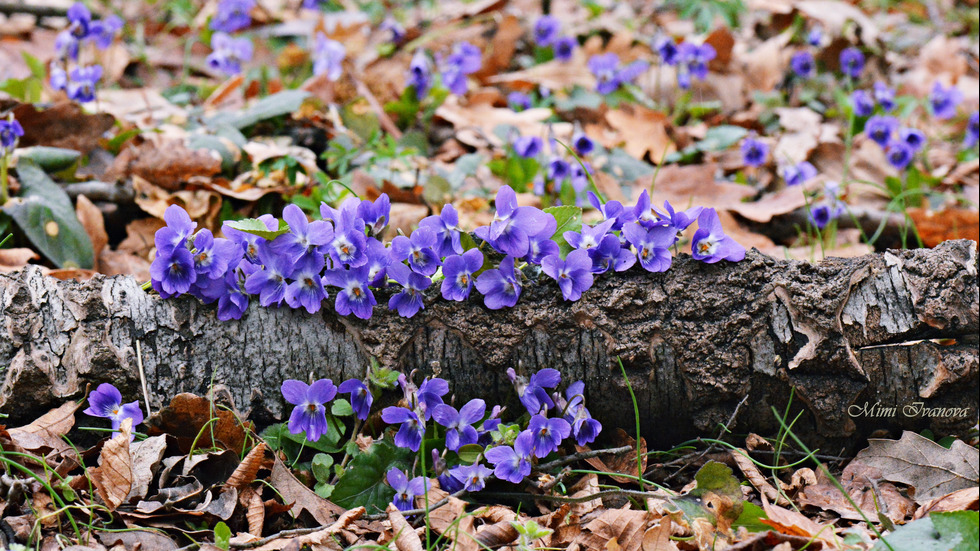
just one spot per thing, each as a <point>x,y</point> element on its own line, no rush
<point>547,34</point>
<point>610,74</point>
<point>900,144</point>
<point>341,253</point>
<point>228,53</point>
<point>689,59</point>
<point>553,418</point>
<point>10,132</point>
<point>67,73</point>
<point>463,60</point>
<point>232,15</point>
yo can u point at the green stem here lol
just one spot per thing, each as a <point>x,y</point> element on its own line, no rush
<point>636,414</point>
<point>3,178</point>
<point>425,478</point>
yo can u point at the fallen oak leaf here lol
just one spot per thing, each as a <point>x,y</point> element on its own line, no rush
<point>113,478</point>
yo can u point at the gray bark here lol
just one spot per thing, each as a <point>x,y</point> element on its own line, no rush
<point>891,329</point>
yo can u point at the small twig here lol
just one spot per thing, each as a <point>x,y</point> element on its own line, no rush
<point>146,392</point>
<point>580,456</point>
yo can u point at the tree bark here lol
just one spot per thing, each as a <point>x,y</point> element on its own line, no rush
<point>848,337</point>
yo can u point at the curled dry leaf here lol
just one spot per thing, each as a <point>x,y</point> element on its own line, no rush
<point>403,534</point>
<point>643,130</point>
<point>113,478</point>
<point>64,125</point>
<point>46,431</point>
<point>245,472</point>
<point>624,526</point>
<point>795,524</point>
<point>16,259</point>
<point>657,538</point>
<point>187,414</point>
<point>169,163</point>
<point>967,499</point>
<point>146,457</point>
<point>296,493</point>
<point>199,204</point>
<point>756,478</point>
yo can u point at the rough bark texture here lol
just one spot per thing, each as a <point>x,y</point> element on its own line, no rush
<point>846,334</point>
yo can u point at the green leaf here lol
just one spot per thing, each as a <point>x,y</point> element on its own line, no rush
<point>44,212</point>
<point>222,535</point>
<point>323,489</point>
<point>750,518</point>
<point>954,531</point>
<point>362,122</point>
<point>626,167</point>
<point>50,159</point>
<point>363,482</point>
<point>719,138</point>
<point>569,218</point>
<point>341,408</point>
<point>321,467</point>
<point>36,65</point>
<point>470,453</point>
<point>269,107</point>
<point>257,227</point>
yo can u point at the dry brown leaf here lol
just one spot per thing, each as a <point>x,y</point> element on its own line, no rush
<point>199,204</point>
<point>251,499</point>
<point>475,124</point>
<point>16,259</point>
<point>834,15</point>
<point>658,537</point>
<point>245,472</point>
<point>554,75</point>
<point>756,478</point>
<point>766,64</point>
<point>405,537</point>
<point>586,486</point>
<point>47,430</point>
<point>113,478</point>
<point>624,526</point>
<point>448,520</point>
<point>685,186</point>
<point>90,217</point>
<point>64,124</point>
<point>967,499</point>
<point>500,52</point>
<point>950,223</point>
<point>296,493</point>
<point>187,414</point>
<point>643,130</point>
<point>144,540</point>
<point>145,456</point>
<point>770,205</point>
<point>139,236</point>
<point>795,524</point>
<point>169,164</point>
<point>112,263</point>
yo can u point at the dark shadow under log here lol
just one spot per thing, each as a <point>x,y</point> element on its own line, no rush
<point>853,337</point>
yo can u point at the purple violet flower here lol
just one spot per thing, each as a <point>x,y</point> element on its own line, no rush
<point>360,397</point>
<point>754,152</point>
<point>582,144</point>
<point>565,48</point>
<point>473,477</point>
<point>307,288</point>
<point>558,169</point>
<point>418,250</point>
<point>172,271</point>
<point>851,62</point>
<point>574,274</point>
<point>972,135</point>
<point>528,146</point>
<point>652,245</point>
<point>880,129</point>
<point>464,60</point>
<point>710,244</point>
<point>213,257</point>
<point>310,413</point>
<point>814,37</point>
<point>395,28</point>
<point>228,53</point>
<point>913,137</point>
<point>405,490</point>
<point>547,434</point>
<point>409,301</point>
<point>379,258</point>
<point>667,50</point>
<point>270,281</point>
<point>589,237</point>
<point>500,286</point>
<point>81,85</point>
<point>375,213</point>
<point>249,242</point>
<point>899,154</point>
<point>459,424</point>
<point>232,15</point>
<point>943,101</point>
<point>412,429</point>
<point>354,295</point>
<point>862,103</point>
<point>803,64</point>
<point>585,429</point>
<point>540,244</point>
<point>445,226</point>
<point>604,68</point>
<point>532,392</point>
<point>106,401</point>
<point>546,30</point>
<point>680,220</point>
<point>821,215</point>
<point>304,241</point>
<point>512,463</point>
<point>610,255</point>
<point>884,95</point>
<point>430,394</point>
<point>10,132</point>
<point>512,225</point>
<point>458,271</point>
<point>799,173</point>
<point>420,74</point>
<point>328,57</point>
<point>178,229</point>
<point>518,101</point>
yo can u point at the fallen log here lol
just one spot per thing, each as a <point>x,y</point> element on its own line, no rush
<point>884,341</point>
